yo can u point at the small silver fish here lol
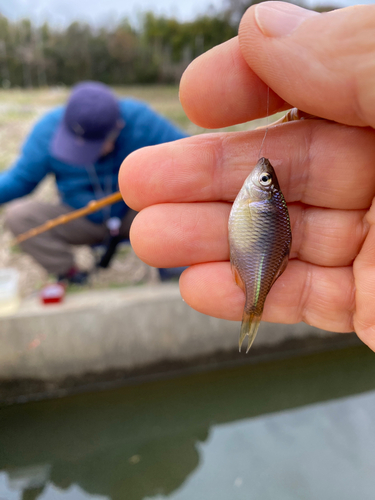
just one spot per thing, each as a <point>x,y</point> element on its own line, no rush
<point>260,238</point>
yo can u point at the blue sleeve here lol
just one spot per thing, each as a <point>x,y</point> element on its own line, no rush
<point>30,168</point>
<point>145,127</point>
<point>160,129</point>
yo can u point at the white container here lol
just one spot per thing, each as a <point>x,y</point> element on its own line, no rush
<point>9,297</point>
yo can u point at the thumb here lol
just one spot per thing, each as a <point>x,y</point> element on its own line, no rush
<point>320,63</point>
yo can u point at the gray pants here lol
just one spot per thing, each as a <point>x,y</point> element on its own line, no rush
<point>52,248</point>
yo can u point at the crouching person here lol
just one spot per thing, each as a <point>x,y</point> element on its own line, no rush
<point>83,145</point>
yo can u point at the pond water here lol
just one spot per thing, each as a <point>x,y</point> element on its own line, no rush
<point>301,428</point>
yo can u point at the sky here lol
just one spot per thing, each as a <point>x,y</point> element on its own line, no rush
<point>103,12</point>
<point>62,12</point>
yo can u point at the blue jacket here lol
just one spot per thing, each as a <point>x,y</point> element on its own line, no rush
<point>78,184</point>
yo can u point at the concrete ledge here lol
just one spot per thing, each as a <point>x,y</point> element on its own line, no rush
<point>130,330</point>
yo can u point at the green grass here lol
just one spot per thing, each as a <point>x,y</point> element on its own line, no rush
<point>15,114</point>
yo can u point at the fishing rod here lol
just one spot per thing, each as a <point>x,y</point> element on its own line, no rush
<point>92,206</point>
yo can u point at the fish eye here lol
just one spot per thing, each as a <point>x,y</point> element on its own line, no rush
<point>265,179</point>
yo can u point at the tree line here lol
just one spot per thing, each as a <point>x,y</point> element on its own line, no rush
<point>157,51</point>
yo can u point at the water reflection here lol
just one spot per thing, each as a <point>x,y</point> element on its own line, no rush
<point>324,451</point>
<point>217,435</point>
<point>29,480</point>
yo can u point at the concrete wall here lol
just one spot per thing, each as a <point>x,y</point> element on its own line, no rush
<point>126,329</point>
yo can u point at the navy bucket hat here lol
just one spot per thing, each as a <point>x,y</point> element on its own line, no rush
<point>91,114</point>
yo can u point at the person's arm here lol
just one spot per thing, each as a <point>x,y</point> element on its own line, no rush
<point>161,130</point>
<point>29,169</point>
<point>146,127</point>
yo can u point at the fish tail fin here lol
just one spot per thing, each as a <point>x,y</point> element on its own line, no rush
<point>250,325</point>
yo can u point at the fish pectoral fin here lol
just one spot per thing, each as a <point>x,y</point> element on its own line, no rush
<point>238,279</point>
<point>281,270</point>
<point>283,265</point>
<point>249,327</point>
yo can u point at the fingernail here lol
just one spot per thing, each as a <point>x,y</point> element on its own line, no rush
<point>277,19</point>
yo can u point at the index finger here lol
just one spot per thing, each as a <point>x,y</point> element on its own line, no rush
<point>317,162</point>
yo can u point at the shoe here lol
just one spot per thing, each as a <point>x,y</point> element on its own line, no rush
<point>74,276</point>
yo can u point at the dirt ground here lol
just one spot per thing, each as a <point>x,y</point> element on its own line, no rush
<point>19,110</point>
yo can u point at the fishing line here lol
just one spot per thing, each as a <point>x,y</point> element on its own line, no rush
<point>265,134</point>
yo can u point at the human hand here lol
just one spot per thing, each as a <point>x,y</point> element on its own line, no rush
<point>322,64</point>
